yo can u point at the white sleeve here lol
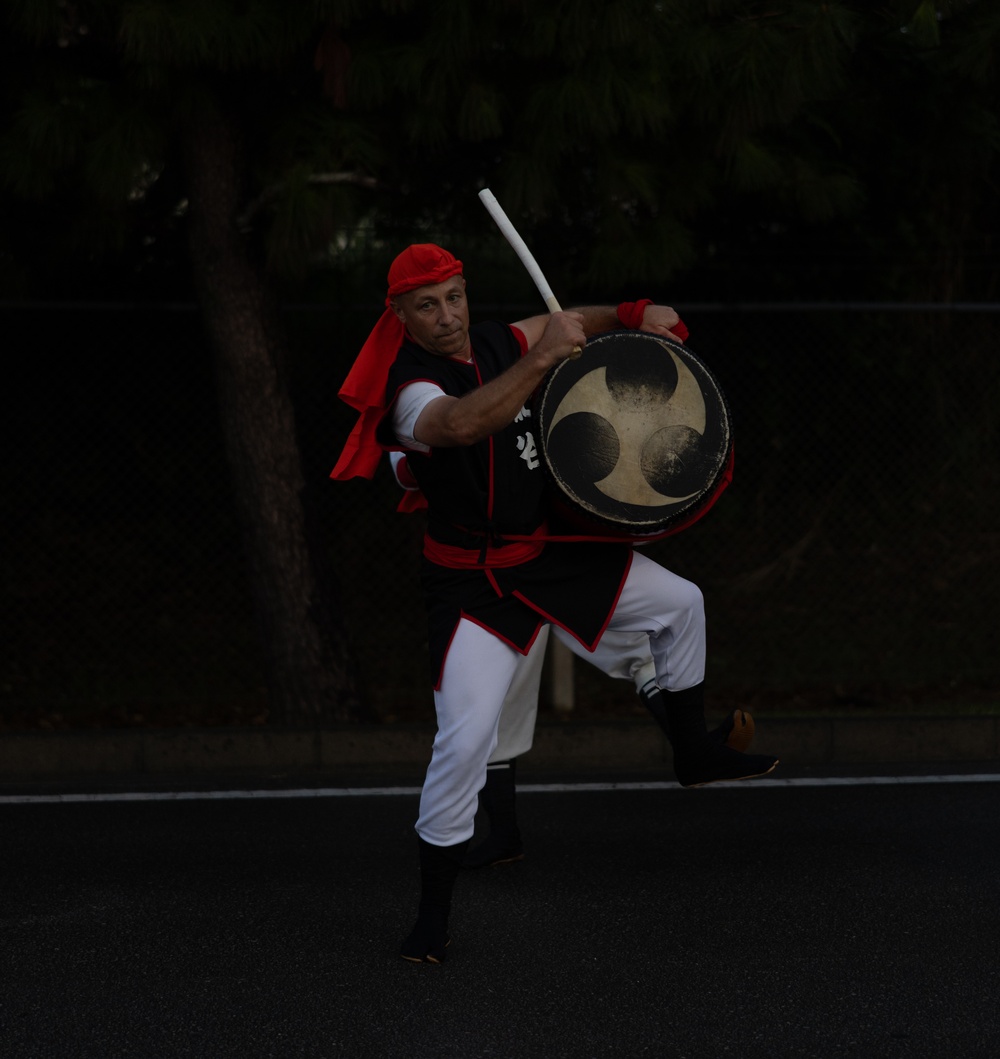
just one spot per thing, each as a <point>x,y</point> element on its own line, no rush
<point>409,403</point>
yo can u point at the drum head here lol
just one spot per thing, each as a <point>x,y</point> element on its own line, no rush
<point>635,432</point>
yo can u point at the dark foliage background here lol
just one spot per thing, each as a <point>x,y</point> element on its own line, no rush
<point>198,204</point>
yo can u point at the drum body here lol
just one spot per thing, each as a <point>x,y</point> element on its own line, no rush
<point>635,435</point>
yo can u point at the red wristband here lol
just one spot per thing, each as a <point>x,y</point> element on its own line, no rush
<point>630,313</point>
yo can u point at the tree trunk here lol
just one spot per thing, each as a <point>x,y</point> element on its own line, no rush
<point>310,675</point>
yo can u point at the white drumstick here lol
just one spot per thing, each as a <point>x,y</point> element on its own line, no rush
<point>527,258</point>
<point>510,234</point>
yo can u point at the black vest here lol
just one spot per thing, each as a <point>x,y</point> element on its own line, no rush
<point>493,488</point>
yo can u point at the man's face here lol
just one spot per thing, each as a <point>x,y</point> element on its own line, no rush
<point>437,317</point>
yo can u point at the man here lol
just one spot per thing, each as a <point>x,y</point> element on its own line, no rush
<point>456,398</point>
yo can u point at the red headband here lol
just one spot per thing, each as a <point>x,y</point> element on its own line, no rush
<point>420,265</point>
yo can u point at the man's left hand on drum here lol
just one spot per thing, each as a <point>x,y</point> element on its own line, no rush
<point>663,320</point>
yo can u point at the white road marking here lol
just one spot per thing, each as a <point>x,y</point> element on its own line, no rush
<point>525,788</point>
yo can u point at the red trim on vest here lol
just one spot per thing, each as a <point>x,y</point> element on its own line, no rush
<point>490,491</point>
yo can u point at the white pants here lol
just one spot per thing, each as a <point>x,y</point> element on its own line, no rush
<point>481,673</point>
<point>623,655</point>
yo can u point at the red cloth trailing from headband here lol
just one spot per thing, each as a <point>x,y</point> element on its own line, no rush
<point>631,313</point>
<point>364,388</point>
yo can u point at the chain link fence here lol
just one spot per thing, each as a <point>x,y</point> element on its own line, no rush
<point>855,560</point>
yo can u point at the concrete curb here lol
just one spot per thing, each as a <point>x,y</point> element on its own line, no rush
<point>56,757</point>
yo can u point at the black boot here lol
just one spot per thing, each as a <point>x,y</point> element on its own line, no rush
<point>496,799</point>
<point>736,731</point>
<point>439,867</point>
<point>701,756</point>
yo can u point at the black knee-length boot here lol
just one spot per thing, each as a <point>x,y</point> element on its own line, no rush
<point>497,799</point>
<point>439,867</point>
<point>702,756</point>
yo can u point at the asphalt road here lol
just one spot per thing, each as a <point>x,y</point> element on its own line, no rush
<point>799,921</point>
